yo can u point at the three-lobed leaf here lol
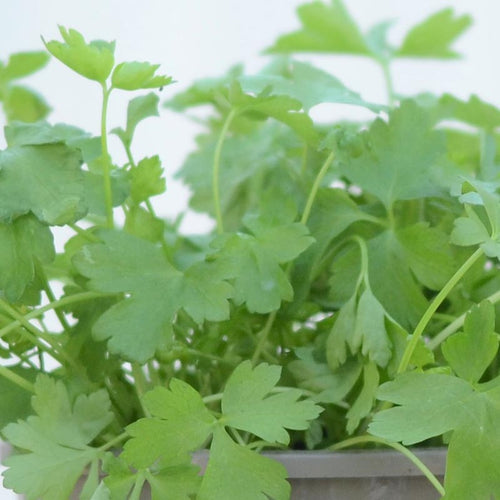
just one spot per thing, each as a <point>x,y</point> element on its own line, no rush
<point>138,75</point>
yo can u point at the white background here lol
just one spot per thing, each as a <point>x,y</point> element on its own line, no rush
<point>198,38</point>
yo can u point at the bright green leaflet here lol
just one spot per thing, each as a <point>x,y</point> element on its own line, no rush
<point>93,60</point>
<point>400,158</point>
<point>247,406</point>
<point>237,472</point>
<point>22,64</point>
<point>433,404</point>
<point>146,179</point>
<point>253,262</point>
<point>138,75</point>
<point>470,352</point>
<point>433,37</point>
<point>23,243</point>
<point>325,28</point>
<point>138,109</point>
<point>45,180</point>
<point>180,424</point>
<point>139,324</point>
<point>23,104</point>
<point>55,440</point>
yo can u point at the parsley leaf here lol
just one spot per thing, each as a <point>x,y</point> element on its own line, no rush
<point>237,472</point>
<point>23,243</point>
<point>45,180</point>
<point>470,352</point>
<point>22,64</point>
<point>137,325</point>
<point>146,179</point>
<point>400,157</point>
<point>253,261</point>
<point>138,75</point>
<point>325,28</point>
<point>23,104</point>
<point>93,60</point>
<point>56,441</point>
<point>433,37</point>
<point>180,424</point>
<point>247,406</point>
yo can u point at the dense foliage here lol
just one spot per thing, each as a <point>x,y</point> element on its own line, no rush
<point>347,295</point>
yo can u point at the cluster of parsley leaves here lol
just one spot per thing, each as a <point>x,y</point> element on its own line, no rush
<point>347,294</point>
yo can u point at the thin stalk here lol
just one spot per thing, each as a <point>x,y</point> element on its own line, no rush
<point>138,485</point>
<point>141,384</point>
<point>402,449</point>
<point>314,190</point>
<point>438,300</point>
<point>216,169</point>
<point>113,442</point>
<point>386,70</point>
<point>16,379</point>
<point>108,195</point>
<point>77,297</point>
<point>84,233</point>
<point>263,334</point>
<point>436,341</point>
<point>303,162</point>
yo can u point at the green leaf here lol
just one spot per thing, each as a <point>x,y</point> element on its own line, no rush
<point>23,104</point>
<point>146,179</point>
<point>41,132</point>
<point>433,37</point>
<point>22,64</point>
<point>400,157</point>
<point>138,75</point>
<point>55,440</point>
<point>330,386</point>
<point>93,60</point>
<point>364,402</point>
<point>428,253</point>
<point>431,404</point>
<point>23,243</point>
<point>237,472</point>
<point>178,483</point>
<point>140,323</point>
<point>16,402</point>
<point>470,352</point>
<point>139,222</point>
<point>325,28</point>
<point>304,82</point>
<point>180,424</point>
<point>434,404</point>
<point>138,109</point>
<point>247,405</point>
<point>253,262</point>
<point>45,180</point>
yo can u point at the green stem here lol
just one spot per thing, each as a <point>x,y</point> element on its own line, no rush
<point>436,341</point>
<point>303,162</point>
<point>106,164</point>
<point>84,233</point>
<point>438,300</point>
<point>138,485</point>
<point>263,334</point>
<point>402,449</point>
<point>113,442</point>
<point>315,187</point>
<point>140,385</point>
<point>388,82</point>
<point>77,297</point>
<point>16,379</point>
<point>216,169</point>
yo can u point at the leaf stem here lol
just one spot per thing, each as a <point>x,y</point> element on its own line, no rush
<point>108,196</point>
<point>77,297</point>
<point>140,385</point>
<point>216,169</point>
<point>263,334</point>
<point>436,341</point>
<point>16,379</point>
<point>399,447</point>
<point>315,187</point>
<point>114,441</point>
<point>438,299</point>
<point>386,70</point>
<point>84,233</point>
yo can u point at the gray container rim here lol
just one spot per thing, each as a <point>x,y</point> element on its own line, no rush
<point>351,464</point>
